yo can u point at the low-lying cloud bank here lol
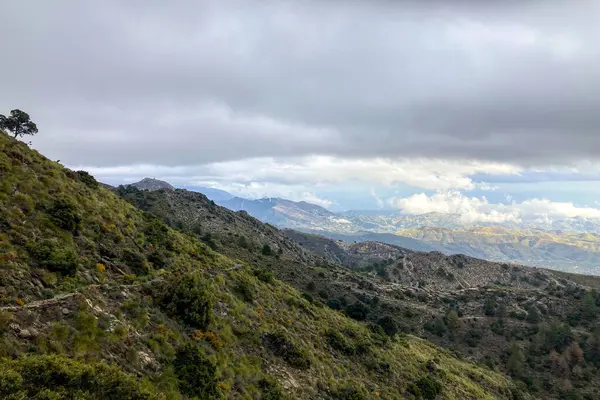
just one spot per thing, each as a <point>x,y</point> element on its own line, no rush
<point>480,210</point>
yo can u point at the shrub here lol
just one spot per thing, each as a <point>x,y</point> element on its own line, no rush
<point>135,261</point>
<point>308,297</point>
<point>334,304</point>
<point>196,374</point>
<point>85,178</point>
<point>266,250</point>
<point>437,326</point>
<point>348,393</point>
<point>264,275</point>
<point>533,315</point>
<point>185,298</point>
<point>282,347</point>
<point>357,311</point>
<point>52,377</point>
<point>429,387</point>
<point>160,258</point>
<point>157,233</point>
<point>389,325</point>
<point>337,341</point>
<point>489,307</point>
<point>243,290</point>
<point>53,256</point>
<point>64,215</point>
<point>5,319</point>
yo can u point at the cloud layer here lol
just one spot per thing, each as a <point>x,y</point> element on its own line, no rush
<point>318,171</point>
<point>480,210</point>
<point>288,98</point>
<point>119,83</point>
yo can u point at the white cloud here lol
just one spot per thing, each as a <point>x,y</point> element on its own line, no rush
<point>311,171</point>
<point>479,209</point>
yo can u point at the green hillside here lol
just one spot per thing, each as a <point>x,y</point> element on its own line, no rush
<point>101,300</point>
<point>537,325</point>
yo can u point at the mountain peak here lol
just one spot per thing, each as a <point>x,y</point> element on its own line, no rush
<point>152,184</point>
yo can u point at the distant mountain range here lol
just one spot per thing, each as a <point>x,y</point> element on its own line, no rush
<point>569,244</point>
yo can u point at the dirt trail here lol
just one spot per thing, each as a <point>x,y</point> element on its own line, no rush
<point>59,298</point>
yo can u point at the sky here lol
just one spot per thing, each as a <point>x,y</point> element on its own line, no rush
<point>486,108</point>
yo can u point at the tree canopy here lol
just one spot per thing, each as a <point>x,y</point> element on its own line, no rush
<point>18,123</point>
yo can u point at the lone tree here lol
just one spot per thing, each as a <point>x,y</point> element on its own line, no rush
<point>18,123</point>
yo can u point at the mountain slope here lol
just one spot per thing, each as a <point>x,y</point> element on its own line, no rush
<point>287,213</point>
<point>483,311</point>
<point>152,184</point>
<point>529,242</point>
<point>567,251</point>
<point>88,279</point>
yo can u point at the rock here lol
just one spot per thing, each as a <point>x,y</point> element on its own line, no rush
<point>65,311</point>
<point>26,334</point>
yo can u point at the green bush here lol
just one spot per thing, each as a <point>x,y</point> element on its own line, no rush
<point>348,393</point>
<point>357,311</point>
<point>437,326</point>
<point>308,297</point>
<point>334,304</point>
<point>135,261</point>
<point>282,347</point>
<point>160,258</point>
<point>196,374</point>
<point>266,250</point>
<point>64,215</point>
<point>55,257</point>
<point>56,377</point>
<point>429,387</point>
<point>389,325</point>
<point>185,298</point>
<point>244,291</point>
<point>157,232</point>
<point>85,178</point>
<point>337,341</point>
<point>264,275</point>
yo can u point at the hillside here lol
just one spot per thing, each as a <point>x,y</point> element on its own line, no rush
<point>288,214</point>
<point>540,326</point>
<point>568,251</point>
<point>508,317</point>
<point>529,242</point>
<point>236,234</point>
<point>102,300</point>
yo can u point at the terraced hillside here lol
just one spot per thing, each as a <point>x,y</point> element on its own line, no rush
<point>102,300</point>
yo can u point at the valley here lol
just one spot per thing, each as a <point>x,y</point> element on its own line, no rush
<point>570,245</point>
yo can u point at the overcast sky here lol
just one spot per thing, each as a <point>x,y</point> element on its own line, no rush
<point>355,104</point>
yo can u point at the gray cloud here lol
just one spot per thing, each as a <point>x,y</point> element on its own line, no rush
<point>115,83</point>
